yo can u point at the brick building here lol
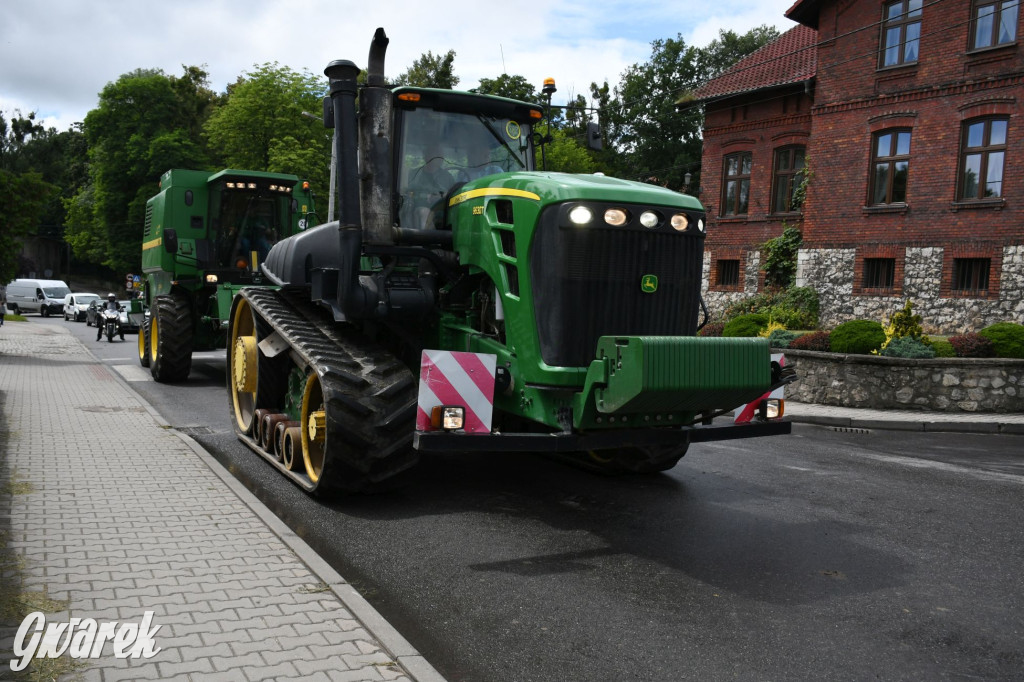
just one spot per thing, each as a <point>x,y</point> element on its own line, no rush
<point>906,114</point>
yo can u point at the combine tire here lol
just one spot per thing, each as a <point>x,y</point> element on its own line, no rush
<point>170,339</point>
<point>144,344</point>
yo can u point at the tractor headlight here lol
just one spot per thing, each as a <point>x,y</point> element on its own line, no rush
<point>615,217</point>
<point>581,215</point>
<point>700,225</point>
<point>680,222</point>
<point>649,219</point>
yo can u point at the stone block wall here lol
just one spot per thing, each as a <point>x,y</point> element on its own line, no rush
<point>939,384</point>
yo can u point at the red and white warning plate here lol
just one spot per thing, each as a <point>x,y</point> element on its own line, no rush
<point>457,378</point>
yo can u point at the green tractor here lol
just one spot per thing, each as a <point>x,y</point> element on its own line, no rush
<point>205,237</point>
<point>466,301</point>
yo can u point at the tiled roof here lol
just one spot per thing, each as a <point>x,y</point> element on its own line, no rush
<point>792,58</point>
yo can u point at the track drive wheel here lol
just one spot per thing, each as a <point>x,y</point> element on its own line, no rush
<point>357,419</point>
<point>170,339</point>
<point>144,344</point>
<point>254,380</point>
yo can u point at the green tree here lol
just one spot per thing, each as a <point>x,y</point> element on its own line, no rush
<point>262,127</point>
<point>654,141</point>
<point>23,197</point>
<point>431,71</point>
<point>145,123</point>
<point>564,154</point>
<point>512,87</point>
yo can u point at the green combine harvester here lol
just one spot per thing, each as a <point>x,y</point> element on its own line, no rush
<point>205,237</point>
<point>467,301</point>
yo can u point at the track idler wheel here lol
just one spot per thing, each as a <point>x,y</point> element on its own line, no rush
<point>314,428</point>
<point>279,439</point>
<point>291,452</point>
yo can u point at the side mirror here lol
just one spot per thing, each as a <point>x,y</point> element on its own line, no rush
<point>170,241</point>
<point>594,136</point>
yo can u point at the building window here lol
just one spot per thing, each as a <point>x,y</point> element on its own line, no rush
<point>890,165</point>
<point>728,273</point>
<point>983,153</point>
<point>789,161</point>
<point>879,273</point>
<point>994,23</point>
<point>736,184</point>
<point>901,32</point>
<point>971,274</point>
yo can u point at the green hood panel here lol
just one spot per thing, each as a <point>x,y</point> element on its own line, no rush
<point>548,188</point>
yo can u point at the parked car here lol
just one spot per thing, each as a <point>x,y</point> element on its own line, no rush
<point>92,311</point>
<point>43,296</point>
<point>75,306</point>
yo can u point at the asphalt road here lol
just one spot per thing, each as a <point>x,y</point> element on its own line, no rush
<point>823,555</point>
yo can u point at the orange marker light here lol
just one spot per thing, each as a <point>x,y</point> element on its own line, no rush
<point>409,97</point>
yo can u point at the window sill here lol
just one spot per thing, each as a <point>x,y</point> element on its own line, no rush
<point>785,216</point>
<point>981,51</point>
<point>887,208</point>
<point>895,68</point>
<point>733,218</point>
<point>992,204</point>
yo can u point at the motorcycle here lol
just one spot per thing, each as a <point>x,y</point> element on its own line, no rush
<point>112,324</point>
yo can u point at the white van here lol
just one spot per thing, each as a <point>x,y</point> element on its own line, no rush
<point>75,306</point>
<point>43,296</point>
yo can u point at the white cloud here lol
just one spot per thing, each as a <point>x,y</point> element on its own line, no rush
<point>59,54</point>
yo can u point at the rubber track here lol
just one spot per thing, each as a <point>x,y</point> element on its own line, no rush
<point>174,325</point>
<point>370,396</point>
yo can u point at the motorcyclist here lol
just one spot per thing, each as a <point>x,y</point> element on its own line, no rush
<point>111,304</point>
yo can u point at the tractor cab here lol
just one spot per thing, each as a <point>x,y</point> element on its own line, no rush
<point>445,139</point>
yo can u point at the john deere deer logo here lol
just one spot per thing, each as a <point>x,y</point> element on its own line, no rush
<point>649,284</point>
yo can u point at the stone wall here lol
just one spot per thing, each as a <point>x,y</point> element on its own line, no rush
<point>831,273</point>
<point>940,384</point>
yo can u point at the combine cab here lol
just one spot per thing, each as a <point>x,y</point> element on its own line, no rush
<point>466,301</point>
<point>205,237</point>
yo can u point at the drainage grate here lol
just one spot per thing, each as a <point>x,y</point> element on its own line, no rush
<point>850,429</point>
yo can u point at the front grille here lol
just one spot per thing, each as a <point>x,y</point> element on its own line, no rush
<point>587,284</point>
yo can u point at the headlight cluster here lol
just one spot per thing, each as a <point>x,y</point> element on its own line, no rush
<point>284,189</point>
<point>617,217</point>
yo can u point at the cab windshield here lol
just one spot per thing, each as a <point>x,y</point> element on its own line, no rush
<point>248,222</point>
<point>441,149</point>
<point>56,292</point>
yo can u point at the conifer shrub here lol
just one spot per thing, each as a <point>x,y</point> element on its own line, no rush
<point>781,338</point>
<point>746,325</point>
<point>908,347</point>
<point>971,345</point>
<point>1007,339</point>
<point>858,337</point>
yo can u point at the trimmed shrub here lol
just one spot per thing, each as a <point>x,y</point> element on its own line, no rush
<point>711,329</point>
<point>943,349</point>
<point>781,338</point>
<point>812,341</point>
<point>794,308</point>
<point>972,345</point>
<point>1007,339</point>
<point>905,324</point>
<point>908,347</point>
<point>859,337</point>
<point>746,325</point>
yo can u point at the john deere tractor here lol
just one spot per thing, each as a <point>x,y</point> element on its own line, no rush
<point>205,237</point>
<point>467,301</point>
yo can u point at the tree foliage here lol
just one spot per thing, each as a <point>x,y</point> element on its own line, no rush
<point>145,123</point>
<point>431,71</point>
<point>654,140</point>
<point>512,87</point>
<point>23,197</point>
<point>262,126</point>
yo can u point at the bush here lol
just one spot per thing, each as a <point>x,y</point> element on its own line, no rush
<point>972,345</point>
<point>908,347</point>
<point>746,325</point>
<point>943,349</point>
<point>711,329</point>
<point>905,324</point>
<point>781,338</point>
<point>1007,339</point>
<point>794,308</point>
<point>857,337</point>
<point>812,341</point>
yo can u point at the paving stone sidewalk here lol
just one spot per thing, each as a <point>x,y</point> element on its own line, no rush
<point>106,514</point>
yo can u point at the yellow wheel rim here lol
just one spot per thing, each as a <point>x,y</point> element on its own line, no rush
<point>243,358</point>
<point>154,336</point>
<point>142,344</point>
<point>313,424</point>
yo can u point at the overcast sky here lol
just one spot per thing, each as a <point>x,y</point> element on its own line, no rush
<point>57,55</point>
